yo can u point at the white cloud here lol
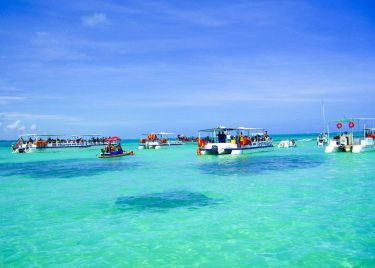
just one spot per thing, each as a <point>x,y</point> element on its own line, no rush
<point>14,125</point>
<point>22,128</point>
<point>94,19</point>
<point>33,127</point>
<point>10,99</point>
<point>33,116</point>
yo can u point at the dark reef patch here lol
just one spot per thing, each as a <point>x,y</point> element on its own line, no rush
<point>259,164</point>
<point>67,168</point>
<point>165,201</point>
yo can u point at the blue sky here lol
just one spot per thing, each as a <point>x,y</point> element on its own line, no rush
<point>128,67</point>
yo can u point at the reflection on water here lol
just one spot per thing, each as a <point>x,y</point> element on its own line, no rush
<point>164,201</point>
<point>68,168</point>
<point>255,165</point>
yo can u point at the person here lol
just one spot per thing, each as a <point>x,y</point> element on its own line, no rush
<point>221,137</point>
<point>119,149</point>
<point>107,148</point>
<point>241,139</point>
<point>266,135</point>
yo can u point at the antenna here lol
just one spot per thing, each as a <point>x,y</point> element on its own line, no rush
<point>324,117</point>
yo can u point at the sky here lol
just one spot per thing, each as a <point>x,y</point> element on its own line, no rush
<point>130,67</point>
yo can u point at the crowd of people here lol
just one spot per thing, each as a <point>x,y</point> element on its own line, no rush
<point>113,149</point>
<point>91,141</point>
<point>184,138</point>
<point>240,139</point>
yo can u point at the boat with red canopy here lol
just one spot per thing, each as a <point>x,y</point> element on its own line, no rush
<point>114,149</point>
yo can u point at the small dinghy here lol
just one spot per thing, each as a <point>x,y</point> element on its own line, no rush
<point>114,149</point>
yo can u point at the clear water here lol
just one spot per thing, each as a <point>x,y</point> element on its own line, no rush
<point>294,207</point>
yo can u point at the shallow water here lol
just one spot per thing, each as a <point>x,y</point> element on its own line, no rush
<point>170,208</point>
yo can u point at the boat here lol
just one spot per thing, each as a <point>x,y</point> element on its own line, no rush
<point>157,141</point>
<point>287,143</point>
<point>322,138</point>
<point>234,141</point>
<point>114,149</point>
<point>31,142</point>
<point>111,155</point>
<point>21,149</point>
<point>355,137</point>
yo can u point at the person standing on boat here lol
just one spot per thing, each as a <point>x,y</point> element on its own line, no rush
<point>221,137</point>
<point>266,135</point>
<point>241,140</point>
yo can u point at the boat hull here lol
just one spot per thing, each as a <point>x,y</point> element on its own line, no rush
<point>156,145</point>
<point>115,155</point>
<point>233,149</point>
<point>366,145</point>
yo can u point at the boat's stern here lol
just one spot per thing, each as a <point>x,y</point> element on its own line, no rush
<point>366,144</point>
<point>332,147</point>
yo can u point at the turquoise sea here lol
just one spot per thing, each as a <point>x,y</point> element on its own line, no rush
<point>296,207</point>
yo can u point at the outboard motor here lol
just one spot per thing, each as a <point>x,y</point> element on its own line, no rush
<point>214,149</point>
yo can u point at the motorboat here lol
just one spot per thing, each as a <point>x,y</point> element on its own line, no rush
<point>157,140</point>
<point>287,143</point>
<point>114,149</point>
<point>356,137</point>
<point>21,149</point>
<point>322,139</point>
<point>112,155</point>
<point>228,140</point>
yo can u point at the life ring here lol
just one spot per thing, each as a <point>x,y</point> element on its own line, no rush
<point>351,124</point>
<point>339,125</point>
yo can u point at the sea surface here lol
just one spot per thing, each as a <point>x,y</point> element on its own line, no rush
<point>296,207</point>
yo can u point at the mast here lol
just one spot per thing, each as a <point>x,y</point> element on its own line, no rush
<point>324,117</point>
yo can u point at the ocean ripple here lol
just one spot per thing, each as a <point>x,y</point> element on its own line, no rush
<point>259,164</point>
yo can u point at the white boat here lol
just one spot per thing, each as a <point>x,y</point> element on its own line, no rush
<point>287,143</point>
<point>322,138</point>
<point>223,140</point>
<point>355,138</point>
<point>157,141</point>
<point>21,149</point>
<point>31,142</point>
